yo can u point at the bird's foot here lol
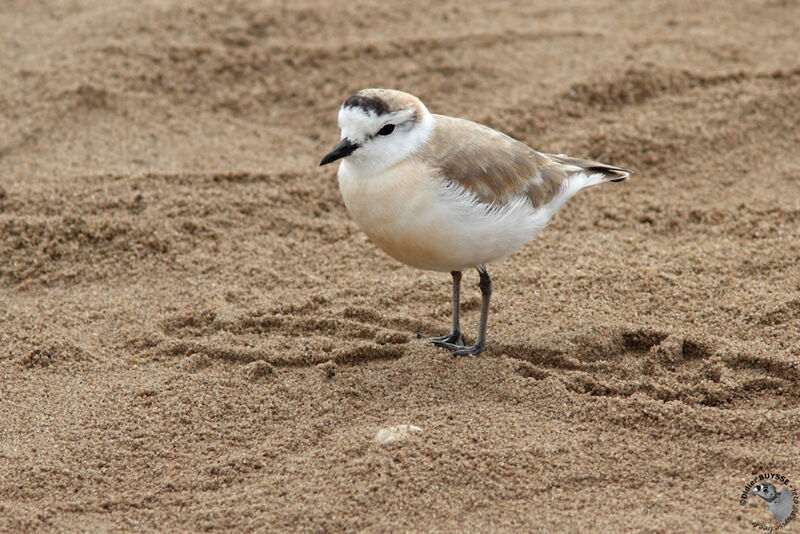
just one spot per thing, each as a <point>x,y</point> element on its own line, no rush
<point>461,350</point>
<point>454,338</point>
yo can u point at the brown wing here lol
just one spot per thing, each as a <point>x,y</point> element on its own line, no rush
<point>490,164</point>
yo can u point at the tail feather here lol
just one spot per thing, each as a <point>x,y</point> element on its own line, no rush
<point>612,173</point>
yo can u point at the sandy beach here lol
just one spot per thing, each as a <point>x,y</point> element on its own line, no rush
<point>197,337</point>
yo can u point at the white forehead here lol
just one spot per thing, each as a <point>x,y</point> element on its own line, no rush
<point>357,123</point>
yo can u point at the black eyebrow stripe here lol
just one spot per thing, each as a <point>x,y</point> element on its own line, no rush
<point>369,104</point>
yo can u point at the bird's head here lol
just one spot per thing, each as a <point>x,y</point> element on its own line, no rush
<point>766,491</point>
<point>380,127</point>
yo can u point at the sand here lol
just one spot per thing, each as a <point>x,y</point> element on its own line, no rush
<point>196,337</point>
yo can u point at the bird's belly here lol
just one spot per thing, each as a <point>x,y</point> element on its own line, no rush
<point>413,216</point>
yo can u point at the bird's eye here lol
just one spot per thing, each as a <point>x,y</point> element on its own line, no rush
<point>386,130</point>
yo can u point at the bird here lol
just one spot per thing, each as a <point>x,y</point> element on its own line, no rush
<point>780,504</point>
<point>447,194</point>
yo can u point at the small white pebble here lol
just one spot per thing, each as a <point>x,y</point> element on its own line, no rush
<point>389,435</point>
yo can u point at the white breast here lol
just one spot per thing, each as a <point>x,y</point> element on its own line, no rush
<point>419,219</point>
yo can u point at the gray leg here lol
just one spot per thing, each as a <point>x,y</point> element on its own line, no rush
<point>454,336</point>
<point>480,344</point>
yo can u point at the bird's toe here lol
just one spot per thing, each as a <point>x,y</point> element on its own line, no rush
<point>454,338</point>
<point>460,349</point>
<point>469,351</point>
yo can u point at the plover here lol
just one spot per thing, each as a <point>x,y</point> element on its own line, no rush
<point>780,504</point>
<point>447,194</point>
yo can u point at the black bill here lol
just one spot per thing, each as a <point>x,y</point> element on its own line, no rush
<point>342,150</point>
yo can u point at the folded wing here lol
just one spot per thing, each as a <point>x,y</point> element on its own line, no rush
<point>497,168</point>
